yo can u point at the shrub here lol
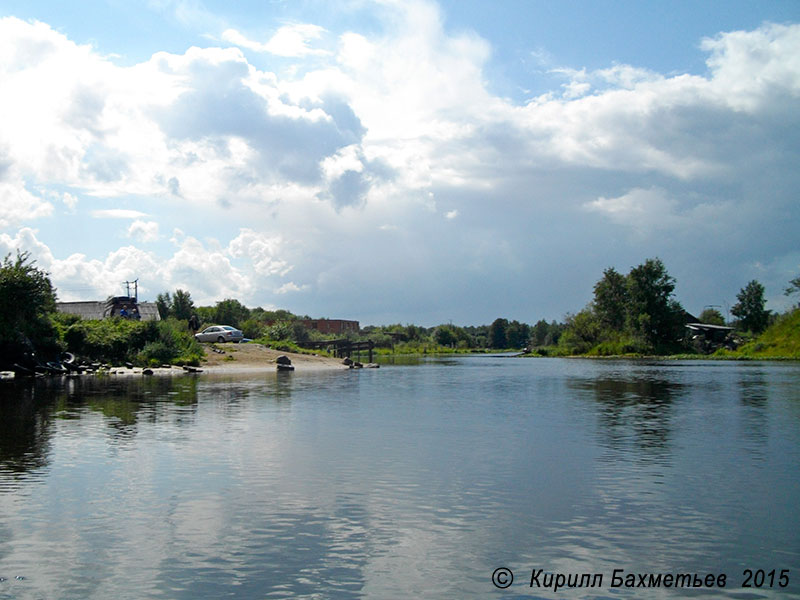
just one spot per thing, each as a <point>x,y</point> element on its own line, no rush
<point>121,340</point>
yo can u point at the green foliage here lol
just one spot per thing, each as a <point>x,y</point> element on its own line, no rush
<point>750,308</point>
<point>633,314</point>
<point>172,344</point>
<point>546,334</point>
<point>231,312</point>
<point>27,299</point>
<point>712,316</point>
<point>179,305</point>
<point>163,304</point>
<point>779,340</point>
<point>253,328</point>
<point>498,337</point>
<point>287,345</point>
<point>182,305</point>
<point>581,333</point>
<point>444,335</point>
<point>611,299</point>
<point>279,334</point>
<point>619,345</point>
<point>143,342</point>
<point>279,331</point>
<point>652,315</point>
<point>206,314</point>
<point>517,334</point>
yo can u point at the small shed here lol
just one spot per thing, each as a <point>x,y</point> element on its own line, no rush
<point>709,337</point>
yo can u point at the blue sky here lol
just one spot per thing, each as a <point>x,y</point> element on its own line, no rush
<point>396,161</point>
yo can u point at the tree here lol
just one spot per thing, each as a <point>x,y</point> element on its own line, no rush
<point>539,332</point>
<point>581,332</point>
<point>652,314</point>
<point>711,316</point>
<point>750,308</point>
<point>182,305</point>
<point>497,334</point>
<point>794,286</point>
<point>163,304</point>
<point>553,333</point>
<point>445,336</point>
<point>27,298</point>
<point>611,299</point>
<point>517,334</point>
<point>231,312</point>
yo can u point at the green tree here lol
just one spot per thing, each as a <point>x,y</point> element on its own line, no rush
<point>445,336</point>
<point>206,314</point>
<point>231,312</point>
<point>497,334</point>
<point>182,305</point>
<point>163,304</point>
<point>539,332</point>
<point>711,316</point>
<point>611,299</point>
<point>27,299</point>
<point>581,332</point>
<point>652,315</point>
<point>517,334</point>
<point>253,328</point>
<point>554,333</point>
<point>750,308</point>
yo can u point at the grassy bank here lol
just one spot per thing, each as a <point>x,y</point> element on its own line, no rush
<point>779,341</point>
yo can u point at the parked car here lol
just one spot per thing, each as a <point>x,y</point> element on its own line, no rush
<point>219,333</point>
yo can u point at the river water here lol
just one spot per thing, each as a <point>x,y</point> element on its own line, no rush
<point>409,481</point>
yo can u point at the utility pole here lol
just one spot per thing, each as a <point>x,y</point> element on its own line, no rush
<point>135,283</point>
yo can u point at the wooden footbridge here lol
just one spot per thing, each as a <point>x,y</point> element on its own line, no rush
<point>341,348</point>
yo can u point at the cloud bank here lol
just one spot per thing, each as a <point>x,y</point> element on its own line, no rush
<point>381,179</point>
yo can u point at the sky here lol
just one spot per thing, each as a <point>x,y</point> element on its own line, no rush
<point>401,161</point>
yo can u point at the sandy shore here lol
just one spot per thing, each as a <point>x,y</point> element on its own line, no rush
<point>229,359</point>
<point>252,357</point>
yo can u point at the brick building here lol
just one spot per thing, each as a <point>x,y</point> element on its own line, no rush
<point>334,326</point>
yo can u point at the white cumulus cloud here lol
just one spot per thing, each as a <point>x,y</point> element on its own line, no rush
<point>289,40</point>
<point>143,231</point>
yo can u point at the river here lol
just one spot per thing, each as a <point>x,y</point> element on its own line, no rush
<point>409,481</point>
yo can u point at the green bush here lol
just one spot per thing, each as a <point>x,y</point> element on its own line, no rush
<point>142,342</point>
<point>156,353</point>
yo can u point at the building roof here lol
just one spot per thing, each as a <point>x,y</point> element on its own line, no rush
<point>96,310</point>
<point>707,327</point>
<point>85,310</point>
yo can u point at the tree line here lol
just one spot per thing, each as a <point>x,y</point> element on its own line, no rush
<point>638,313</point>
<point>283,325</point>
<point>629,313</point>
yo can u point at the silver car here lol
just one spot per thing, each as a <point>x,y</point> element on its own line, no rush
<point>219,333</point>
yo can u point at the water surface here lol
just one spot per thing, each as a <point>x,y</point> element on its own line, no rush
<point>406,481</point>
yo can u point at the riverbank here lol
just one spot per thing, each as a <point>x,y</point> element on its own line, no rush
<point>252,357</point>
<point>223,359</point>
